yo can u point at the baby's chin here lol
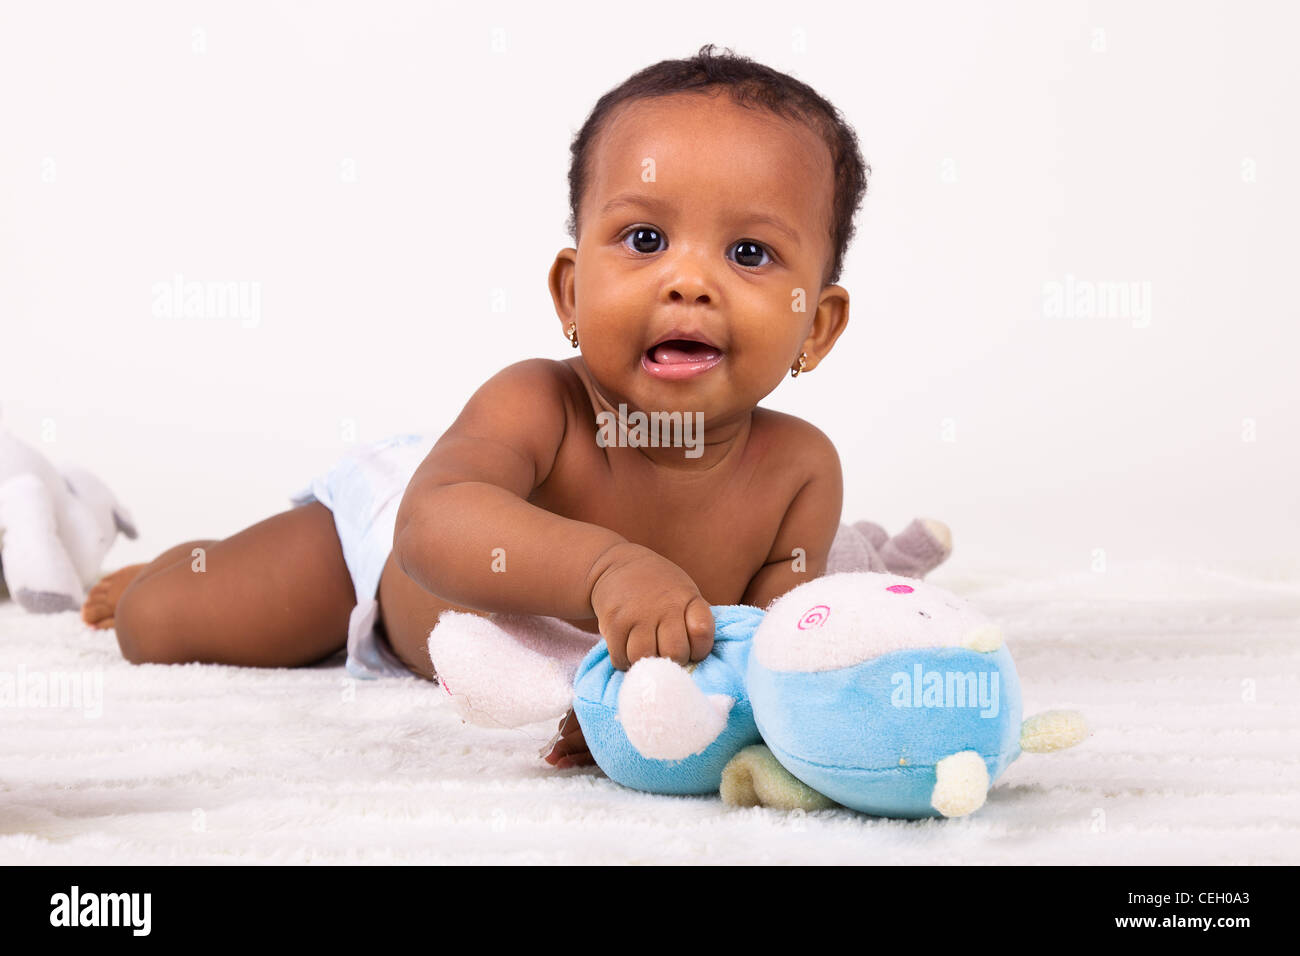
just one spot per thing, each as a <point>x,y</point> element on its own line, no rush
<point>713,396</point>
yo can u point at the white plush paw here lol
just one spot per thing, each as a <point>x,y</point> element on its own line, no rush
<point>962,783</point>
<point>665,714</point>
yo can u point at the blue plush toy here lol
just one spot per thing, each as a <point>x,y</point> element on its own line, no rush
<point>875,691</point>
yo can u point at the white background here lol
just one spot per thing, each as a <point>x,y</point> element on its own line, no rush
<point>1012,144</point>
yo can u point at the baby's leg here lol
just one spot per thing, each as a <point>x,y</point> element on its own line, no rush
<point>277,594</point>
<point>101,603</point>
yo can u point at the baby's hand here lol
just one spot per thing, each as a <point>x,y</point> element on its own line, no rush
<point>649,607</point>
<point>570,749</point>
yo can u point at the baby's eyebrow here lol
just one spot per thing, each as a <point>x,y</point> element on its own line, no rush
<point>655,202</point>
<point>773,222</point>
<point>635,199</point>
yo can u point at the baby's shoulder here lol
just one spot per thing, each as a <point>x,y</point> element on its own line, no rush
<point>548,378</point>
<point>534,374</point>
<point>533,390</point>
<point>807,448</point>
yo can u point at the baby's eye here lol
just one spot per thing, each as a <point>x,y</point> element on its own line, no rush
<point>643,234</point>
<point>748,249</point>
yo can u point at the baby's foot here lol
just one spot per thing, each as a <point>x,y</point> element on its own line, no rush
<point>101,605</point>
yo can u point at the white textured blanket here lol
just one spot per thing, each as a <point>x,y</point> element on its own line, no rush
<point>1190,679</point>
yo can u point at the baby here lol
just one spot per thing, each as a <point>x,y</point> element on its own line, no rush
<point>711,203</point>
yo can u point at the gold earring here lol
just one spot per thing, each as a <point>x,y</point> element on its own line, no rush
<point>803,361</point>
<point>573,334</point>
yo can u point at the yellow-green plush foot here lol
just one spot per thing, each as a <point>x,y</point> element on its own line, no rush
<point>754,778</point>
<point>1052,730</point>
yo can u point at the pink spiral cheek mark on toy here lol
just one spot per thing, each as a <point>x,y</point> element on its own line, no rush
<point>900,588</point>
<point>815,616</point>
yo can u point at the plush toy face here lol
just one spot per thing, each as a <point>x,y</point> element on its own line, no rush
<point>863,683</point>
<point>843,619</point>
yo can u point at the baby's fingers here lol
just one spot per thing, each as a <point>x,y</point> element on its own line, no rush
<point>673,641</point>
<point>570,752</point>
<point>641,642</point>
<point>568,742</point>
<point>616,641</point>
<point>583,759</point>
<point>699,627</point>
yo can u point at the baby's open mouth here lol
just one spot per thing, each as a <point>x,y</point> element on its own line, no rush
<point>681,351</point>
<point>677,359</point>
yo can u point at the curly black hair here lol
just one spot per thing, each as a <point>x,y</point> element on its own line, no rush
<point>749,84</point>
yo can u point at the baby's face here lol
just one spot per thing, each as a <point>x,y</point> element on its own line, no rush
<point>704,220</point>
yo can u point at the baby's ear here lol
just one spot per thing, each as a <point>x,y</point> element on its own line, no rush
<point>561,282</point>
<point>829,322</point>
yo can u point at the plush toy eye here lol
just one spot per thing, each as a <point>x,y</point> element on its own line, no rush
<point>815,616</point>
<point>900,588</point>
<point>923,614</point>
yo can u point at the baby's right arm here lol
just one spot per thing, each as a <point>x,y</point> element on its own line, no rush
<point>466,532</point>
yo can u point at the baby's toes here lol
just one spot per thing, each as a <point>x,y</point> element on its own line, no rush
<point>99,604</point>
<point>96,615</point>
<point>94,610</point>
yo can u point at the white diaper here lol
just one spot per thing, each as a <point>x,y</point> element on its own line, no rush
<point>363,490</point>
